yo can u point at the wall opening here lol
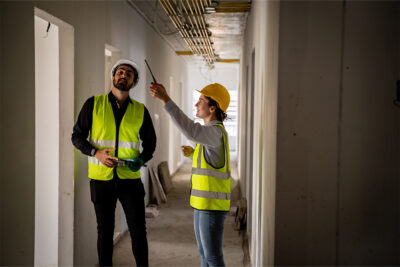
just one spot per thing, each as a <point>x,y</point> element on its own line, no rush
<point>250,145</point>
<point>111,55</point>
<point>246,133</point>
<point>54,158</point>
<point>175,136</point>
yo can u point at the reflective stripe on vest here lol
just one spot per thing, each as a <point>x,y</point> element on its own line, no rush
<point>214,195</point>
<point>111,143</point>
<point>211,188</point>
<point>103,135</point>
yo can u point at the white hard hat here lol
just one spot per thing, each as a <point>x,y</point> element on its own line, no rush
<point>129,63</point>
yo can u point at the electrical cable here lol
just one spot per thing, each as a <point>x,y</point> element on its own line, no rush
<point>47,30</point>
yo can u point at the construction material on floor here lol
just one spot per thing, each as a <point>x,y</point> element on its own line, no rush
<point>165,176</point>
<point>157,195</point>
<point>241,215</point>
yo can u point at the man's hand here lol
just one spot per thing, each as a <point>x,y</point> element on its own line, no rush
<point>187,151</point>
<point>135,164</point>
<point>158,90</point>
<point>105,158</point>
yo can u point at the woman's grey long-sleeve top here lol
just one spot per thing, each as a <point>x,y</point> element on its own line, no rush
<point>211,137</point>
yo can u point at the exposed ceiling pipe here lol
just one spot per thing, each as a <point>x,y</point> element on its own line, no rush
<point>191,14</point>
<point>188,18</point>
<point>192,25</point>
<point>169,10</point>
<point>200,33</point>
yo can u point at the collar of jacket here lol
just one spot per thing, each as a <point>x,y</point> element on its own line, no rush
<point>112,98</point>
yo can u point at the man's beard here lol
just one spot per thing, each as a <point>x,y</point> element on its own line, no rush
<point>122,86</point>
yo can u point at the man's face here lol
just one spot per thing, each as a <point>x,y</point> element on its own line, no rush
<point>123,78</point>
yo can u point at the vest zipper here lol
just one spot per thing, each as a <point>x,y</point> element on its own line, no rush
<point>116,138</point>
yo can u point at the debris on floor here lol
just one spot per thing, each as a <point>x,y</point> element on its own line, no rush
<point>152,211</point>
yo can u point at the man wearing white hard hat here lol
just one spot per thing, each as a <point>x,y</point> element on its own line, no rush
<point>116,125</point>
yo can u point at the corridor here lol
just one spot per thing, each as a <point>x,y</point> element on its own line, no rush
<point>313,120</point>
<point>171,236</point>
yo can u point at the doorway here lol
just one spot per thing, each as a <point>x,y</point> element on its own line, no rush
<point>250,145</point>
<point>54,156</point>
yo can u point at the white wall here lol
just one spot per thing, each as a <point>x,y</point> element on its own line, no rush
<point>269,132</point>
<point>54,93</point>
<point>175,158</point>
<point>46,148</point>
<point>95,24</point>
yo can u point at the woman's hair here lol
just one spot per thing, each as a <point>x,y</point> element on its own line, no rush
<point>221,116</point>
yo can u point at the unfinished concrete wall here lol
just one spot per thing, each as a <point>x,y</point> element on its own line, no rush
<point>95,24</point>
<point>368,178</point>
<point>1,135</point>
<point>398,145</point>
<point>337,167</point>
<point>308,95</point>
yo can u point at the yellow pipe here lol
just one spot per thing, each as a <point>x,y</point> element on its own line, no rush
<point>228,60</point>
<point>184,53</point>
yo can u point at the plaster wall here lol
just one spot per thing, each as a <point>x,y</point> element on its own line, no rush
<point>47,133</point>
<point>95,24</point>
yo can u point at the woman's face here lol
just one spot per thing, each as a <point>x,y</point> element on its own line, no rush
<point>203,109</point>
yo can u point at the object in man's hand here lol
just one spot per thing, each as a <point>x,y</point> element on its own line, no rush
<point>134,164</point>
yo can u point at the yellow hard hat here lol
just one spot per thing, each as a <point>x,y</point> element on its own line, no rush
<point>218,93</point>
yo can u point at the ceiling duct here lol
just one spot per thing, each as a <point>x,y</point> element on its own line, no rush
<point>187,16</point>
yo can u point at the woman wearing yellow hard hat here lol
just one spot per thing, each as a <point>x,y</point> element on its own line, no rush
<point>211,179</point>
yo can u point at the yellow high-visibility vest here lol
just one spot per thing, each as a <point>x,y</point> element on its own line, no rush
<point>211,188</point>
<point>103,135</point>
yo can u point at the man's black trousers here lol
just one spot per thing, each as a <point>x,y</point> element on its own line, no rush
<point>130,193</point>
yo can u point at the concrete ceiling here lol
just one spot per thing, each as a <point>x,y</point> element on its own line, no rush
<point>226,26</point>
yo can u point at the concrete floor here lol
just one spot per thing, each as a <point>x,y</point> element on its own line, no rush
<point>171,236</point>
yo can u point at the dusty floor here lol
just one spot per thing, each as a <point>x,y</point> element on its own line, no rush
<point>171,236</point>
